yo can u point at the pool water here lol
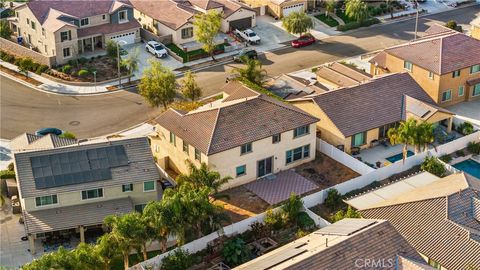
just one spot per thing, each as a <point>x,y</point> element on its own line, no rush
<point>398,157</point>
<point>469,166</point>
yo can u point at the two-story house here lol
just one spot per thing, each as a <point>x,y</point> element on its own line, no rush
<point>70,29</point>
<point>444,62</point>
<point>173,17</point>
<point>245,135</point>
<point>67,188</point>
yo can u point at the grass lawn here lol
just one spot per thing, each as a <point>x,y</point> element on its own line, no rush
<point>191,55</point>
<point>344,17</point>
<point>327,20</point>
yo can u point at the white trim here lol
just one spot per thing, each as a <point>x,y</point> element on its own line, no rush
<point>154,186</point>
<point>126,17</point>
<point>126,191</point>
<point>70,51</point>
<point>446,100</point>
<point>87,199</point>
<point>47,205</point>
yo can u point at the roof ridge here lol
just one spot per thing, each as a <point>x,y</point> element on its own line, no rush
<point>213,133</point>
<point>284,105</point>
<point>440,55</point>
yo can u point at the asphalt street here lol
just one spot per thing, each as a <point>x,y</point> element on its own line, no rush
<point>23,109</point>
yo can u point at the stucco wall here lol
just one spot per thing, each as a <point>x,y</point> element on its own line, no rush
<point>239,14</point>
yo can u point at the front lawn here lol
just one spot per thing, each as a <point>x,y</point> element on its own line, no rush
<point>195,54</point>
<point>327,20</point>
<point>344,17</point>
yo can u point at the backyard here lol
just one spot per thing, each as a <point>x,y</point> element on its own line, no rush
<point>240,203</point>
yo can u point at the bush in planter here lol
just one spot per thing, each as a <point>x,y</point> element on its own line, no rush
<point>82,60</point>
<point>83,73</point>
<point>350,213</point>
<point>433,166</point>
<point>304,221</point>
<point>274,220</point>
<point>473,148</point>
<point>333,200</point>
<point>466,128</point>
<point>178,260</point>
<point>235,252</point>
<point>67,69</point>
<point>259,230</point>
<point>459,153</point>
<point>41,69</point>
<point>354,25</point>
<point>292,207</point>
<point>446,158</point>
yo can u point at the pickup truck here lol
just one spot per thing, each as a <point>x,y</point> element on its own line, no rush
<point>248,35</point>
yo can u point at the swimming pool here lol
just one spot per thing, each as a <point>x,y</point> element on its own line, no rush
<point>469,166</point>
<point>398,157</point>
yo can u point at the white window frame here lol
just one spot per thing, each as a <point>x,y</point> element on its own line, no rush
<point>87,199</point>
<point>46,205</point>
<point>126,191</point>
<point>104,17</point>
<point>70,52</point>
<point>408,66</point>
<point>86,24</point>
<point>69,36</point>
<point>154,186</point>
<point>446,100</point>
<point>431,75</point>
<point>471,69</point>
<point>463,91</point>
<point>126,16</point>
<point>244,173</point>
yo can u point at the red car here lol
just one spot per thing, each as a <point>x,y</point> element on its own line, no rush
<point>303,41</point>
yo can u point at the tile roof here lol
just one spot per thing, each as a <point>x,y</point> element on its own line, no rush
<point>27,142</point>
<point>68,217</point>
<point>370,105</point>
<point>340,246</point>
<point>141,167</point>
<point>438,220</point>
<point>441,52</point>
<point>380,60</point>
<point>23,140</point>
<point>233,122</point>
<point>421,109</point>
<point>342,75</point>
<point>108,28</point>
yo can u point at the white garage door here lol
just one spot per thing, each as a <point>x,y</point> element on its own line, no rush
<point>288,10</point>
<point>129,38</point>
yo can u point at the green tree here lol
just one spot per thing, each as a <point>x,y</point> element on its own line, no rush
<point>111,47</point>
<point>235,252</point>
<point>432,165</point>
<point>178,260</point>
<point>190,88</point>
<point>5,31</point>
<point>330,7</point>
<point>158,85</point>
<point>252,71</point>
<point>357,10</point>
<point>107,250</point>
<point>454,26</point>
<point>132,62</point>
<point>205,28</point>
<point>158,217</point>
<point>202,177</point>
<point>86,257</point>
<point>412,133</point>
<point>25,66</point>
<point>390,7</point>
<point>333,200</point>
<point>292,207</point>
<point>350,213</point>
<point>297,23</point>
<point>60,259</point>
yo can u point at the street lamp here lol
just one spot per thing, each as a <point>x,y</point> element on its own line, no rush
<point>118,61</point>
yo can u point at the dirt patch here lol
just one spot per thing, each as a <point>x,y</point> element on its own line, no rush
<point>325,171</point>
<point>20,76</point>
<point>240,203</point>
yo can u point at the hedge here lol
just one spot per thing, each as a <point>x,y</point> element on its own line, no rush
<point>355,25</point>
<point>28,62</point>
<point>6,174</point>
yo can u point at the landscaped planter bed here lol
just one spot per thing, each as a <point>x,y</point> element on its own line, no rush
<point>195,54</point>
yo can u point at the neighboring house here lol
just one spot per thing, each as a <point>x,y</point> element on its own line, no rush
<point>282,8</point>
<point>245,135</point>
<point>439,217</point>
<point>444,62</point>
<point>360,116</point>
<point>288,86</point>
<point>344,245</point>
<point>337,75</point>
<point>66,187</point>
<point>173,17</point>
<point>475,28</point>
<point>71,29</point>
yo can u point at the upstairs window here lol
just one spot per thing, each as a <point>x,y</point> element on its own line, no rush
<point>148,186</point>
<point>127,187</point>
<point>122,16</point>
<point>173,138</point>
<point>46,200</point>
<point>185,147</point>
<point>408,66</point>
<point>276,138</point>
<point>456,73</point>
<point>475,69</point>
<point>300,131</point>
<point>92,194</point>
<point>104,17</point>
<point>65,35</point>
<point>84,22</point>
<point>447,95</point>
<point>430,75</point>
<point>246,148</point>
<point>33,25</point>
<point>198,155</point>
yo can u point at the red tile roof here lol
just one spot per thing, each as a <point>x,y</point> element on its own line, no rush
<point>108,28</point>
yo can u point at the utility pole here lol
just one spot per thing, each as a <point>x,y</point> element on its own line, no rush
<point>118,62</point>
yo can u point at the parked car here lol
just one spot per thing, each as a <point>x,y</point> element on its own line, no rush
<point>249,53</point>
<point>303,41</point>
<point>248,35</point>
<point>156,49</point>
<point>46,131</point>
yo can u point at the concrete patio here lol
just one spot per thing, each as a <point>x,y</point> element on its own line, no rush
<point>380,153</point>
<point>467,111</point>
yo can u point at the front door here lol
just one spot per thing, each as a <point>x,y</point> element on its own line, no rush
<point>264,167</point>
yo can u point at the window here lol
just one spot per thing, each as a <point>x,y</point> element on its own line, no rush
<point>300,131</point>
<point>476,90</point>
<point>84,21</point>
<point>46,200</point>
<point>127,187</point>
<point>276,138</point>
<point>447,95</point>
<point>148,186</point>
<point>92,194</point>
<point>359,139</point>
<point>456,73</point>
<point>16,15</point>
<point>241,170</point>
<point>246,148</point>
<point>33,25</point>
<point>185,147</point>
<point>43,31</point>
<point>65,35</point>
<point>475,69</point>
<point>122,16</point>
<point>198,155</point>
<point>460,91</point>
<point>66,53</point>
<point>139,207</point>
<point>173,138</point>
<point>430,75</point>
<point>297,154</point>
<point>104,17</point>
<point>187,32</point>
<point>28,21</point>
<point>408,66</point>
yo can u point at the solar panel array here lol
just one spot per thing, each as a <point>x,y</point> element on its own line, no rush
<point>77,167</point>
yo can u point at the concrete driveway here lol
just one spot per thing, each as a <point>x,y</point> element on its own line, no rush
<point>144,57</point>
<point>271,33</point>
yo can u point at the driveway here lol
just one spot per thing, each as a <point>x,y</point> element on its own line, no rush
<point>271,33</point>
<point>144,57</point>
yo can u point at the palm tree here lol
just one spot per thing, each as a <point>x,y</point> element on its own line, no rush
<point>252,71</point>
<point>107,250</point>
<point>389,4</point>
<point>330,7</point>
<point>86,257</point>
<point>202,177</point>
<point>356,9</point>
<point>176,210</point>
<point>411,133</point>
<point>132,62</point>
<point>159,221</point>
<point>297,23</point>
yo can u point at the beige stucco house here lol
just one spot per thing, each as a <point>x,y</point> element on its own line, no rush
<point>360,116</point>
<point>70,29</point>
<point>67,188</point>
<point>245,135</point>
<point>439,62</point>
<point>175,18</point>
<point>282,8</point>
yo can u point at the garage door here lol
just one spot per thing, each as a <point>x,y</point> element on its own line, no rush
<point>290,9</point>
<point>241,23</point>
<point>129,38</point>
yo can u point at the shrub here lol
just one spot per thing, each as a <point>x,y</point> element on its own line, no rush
<point>301,233</point>
<point>314,69</point>
<point>41,69</point>
<point>111,49</point>
<point>459,153</point>
<point>304,221</point>
<point>82,60</point>
<point>11,167</point>
<point>473,148</point>
<point>274,220</point>
<point>333,200</point>
<point>259,230</point>
<point>433,166</point>
<point>6,174</point>
<point>235,252</point>
<point>83,73</point>
<point>68,135</point>
<point>7,57</point>
<point>27,64</point>
<point>17,61</point>
<point>355,25</point>
<point>72,62</point>
<point>446,158</point>
<point>67,69</point>
<point>292,207</point>
<point>466,128</point>
<point>350,213</point>
<point>454,26</point>
<point>179,260</point>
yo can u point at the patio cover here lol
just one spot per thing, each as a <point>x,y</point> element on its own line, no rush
<point>70,217</point>
<point>277,188</point>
